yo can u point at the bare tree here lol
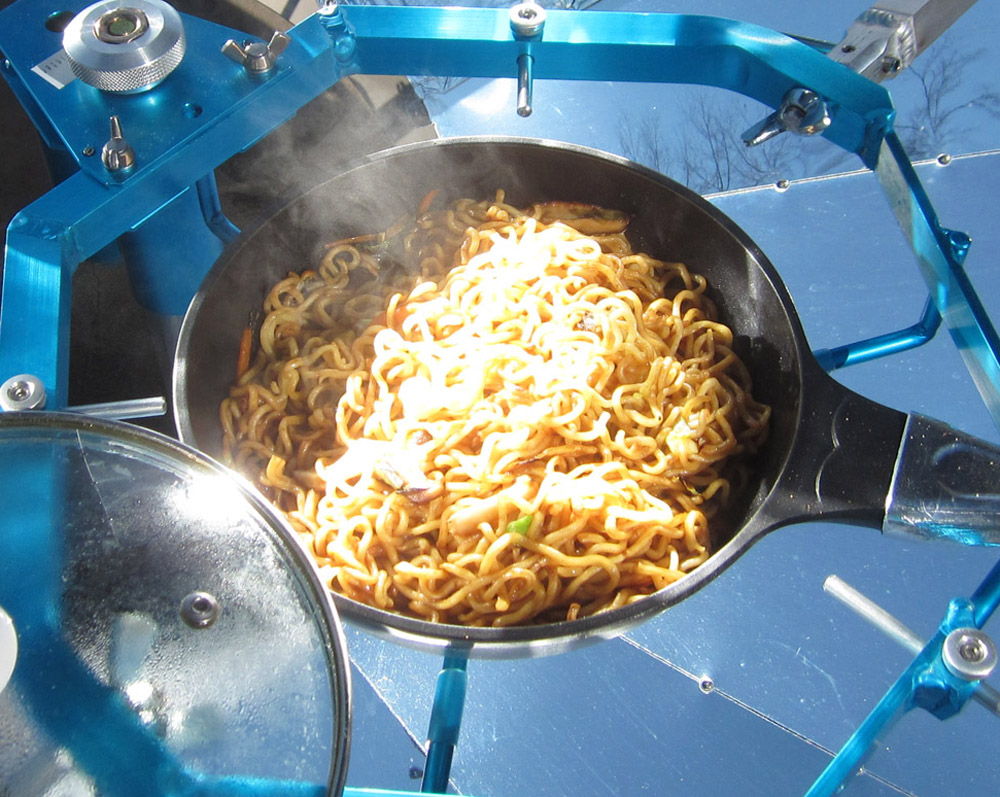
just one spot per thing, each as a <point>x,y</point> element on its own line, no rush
<point>943,114</point>
<point>642,140</point>
<point>708,155</point>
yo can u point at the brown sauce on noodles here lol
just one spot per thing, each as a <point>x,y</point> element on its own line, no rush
<point>539,424</point>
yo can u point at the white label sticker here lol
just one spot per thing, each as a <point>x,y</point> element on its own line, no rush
<point>56,70</point>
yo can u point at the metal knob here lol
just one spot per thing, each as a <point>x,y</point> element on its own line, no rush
<point>125,46</point>
<point>258,58</point>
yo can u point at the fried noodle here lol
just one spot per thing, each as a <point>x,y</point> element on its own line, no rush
<point>537,425</point>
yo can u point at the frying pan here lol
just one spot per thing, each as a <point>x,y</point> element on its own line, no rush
<point>832,454</point>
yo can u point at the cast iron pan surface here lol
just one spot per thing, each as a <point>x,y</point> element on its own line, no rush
<point>830,453</point>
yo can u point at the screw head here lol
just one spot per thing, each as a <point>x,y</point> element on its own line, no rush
<point>969,654</point>
<point>22,392</point>
<point>527,19</point>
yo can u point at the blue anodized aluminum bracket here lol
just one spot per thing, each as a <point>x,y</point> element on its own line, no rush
<point>926,683</point>
<point>205,112</point>
<point>210,109</point>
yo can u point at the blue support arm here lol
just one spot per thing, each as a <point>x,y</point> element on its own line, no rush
<point>926,683</point>
<point>650,48</point>
<point>208,112</point>
<point>940,255</point>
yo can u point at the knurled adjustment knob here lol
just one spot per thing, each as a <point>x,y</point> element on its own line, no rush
<point>125,46</point>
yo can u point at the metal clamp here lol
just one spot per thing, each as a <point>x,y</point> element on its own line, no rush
<point>967,652</point>
<point>885,39</point>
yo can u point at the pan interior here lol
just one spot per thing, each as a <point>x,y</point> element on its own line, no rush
<point>669,222</point>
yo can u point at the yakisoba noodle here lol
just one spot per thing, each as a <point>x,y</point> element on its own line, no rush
<point>539,426</point>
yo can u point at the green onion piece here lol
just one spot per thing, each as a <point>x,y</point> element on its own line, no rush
<point>520,526</point>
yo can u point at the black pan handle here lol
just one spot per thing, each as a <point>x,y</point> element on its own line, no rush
<point>946,485</point>
<point>840,465</point>
<point>857,461</point>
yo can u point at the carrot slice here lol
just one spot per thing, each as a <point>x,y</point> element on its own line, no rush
<point>243,360</point>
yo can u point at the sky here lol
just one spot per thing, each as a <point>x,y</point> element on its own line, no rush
<point>565,110</point>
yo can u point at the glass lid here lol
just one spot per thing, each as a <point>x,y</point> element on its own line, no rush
<point>165,633</point>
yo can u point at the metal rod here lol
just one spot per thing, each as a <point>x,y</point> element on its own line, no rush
<point>873,613</point>
<point>882,345</point>
<point>445,723</point>
<point>986,598</point>
<point>152,407</point>
<point>524,81</point>
<point>985,694</point>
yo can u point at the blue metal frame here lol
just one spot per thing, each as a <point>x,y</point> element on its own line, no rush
<point>926,683</point>
<point>940,254</point>
<point>209,109</point>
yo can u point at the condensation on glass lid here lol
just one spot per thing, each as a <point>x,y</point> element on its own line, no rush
<point>163,613</point>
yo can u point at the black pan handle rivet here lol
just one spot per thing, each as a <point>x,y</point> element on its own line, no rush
<point>200,610</point>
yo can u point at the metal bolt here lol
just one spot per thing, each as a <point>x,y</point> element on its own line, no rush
<point>969,654</point>
<point>527,19</point>
<point>891,65</point>
<point>972,650</point>
<point>22,392</point>
<point>706,684</point>
<point>200,610</point>
<point>944,159</point>
<point>121,25</point>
